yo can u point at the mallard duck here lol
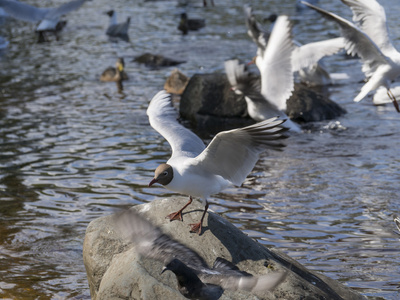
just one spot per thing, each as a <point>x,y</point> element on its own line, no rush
<point>115,29</point>
<point>187,24</point>
<point>116,74</point>
<point>48,18</point>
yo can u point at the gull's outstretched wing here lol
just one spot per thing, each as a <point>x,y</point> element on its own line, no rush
<point>232,154</point>
<point>163,118</point>
<point>307,55</point>
<point>151,242</point>
<point>64,9</point>
<point>23,11</point>
<point>370,16</point>
<point>357,42</point>
<point>275,66</point>
<point>259,36</point>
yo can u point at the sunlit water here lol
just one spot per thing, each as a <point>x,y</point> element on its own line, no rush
<point>72,149</point>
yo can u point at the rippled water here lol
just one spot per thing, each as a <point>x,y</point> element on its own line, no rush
<point>72,149</point>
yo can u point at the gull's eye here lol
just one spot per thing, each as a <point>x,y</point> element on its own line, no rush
<point>165,173</point>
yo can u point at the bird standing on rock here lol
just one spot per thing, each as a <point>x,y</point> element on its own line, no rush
<point>198,171</point>
<point>196,280</point>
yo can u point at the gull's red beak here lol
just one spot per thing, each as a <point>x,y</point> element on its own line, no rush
<point>153,181</point>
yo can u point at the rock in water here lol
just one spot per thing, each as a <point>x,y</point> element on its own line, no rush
<point>116,271</point>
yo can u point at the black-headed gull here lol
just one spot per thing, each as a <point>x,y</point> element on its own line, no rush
<point>196,280</point>
<point>381,61</point>
<point>198,171</point>
<point>258,107</point>
<point>48,18</point>
<point>116,29</point>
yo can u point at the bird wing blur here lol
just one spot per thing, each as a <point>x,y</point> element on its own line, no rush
<point>277,80</point>
<point>309,54</point>
<point>152,243</point>
<point>49,17</point>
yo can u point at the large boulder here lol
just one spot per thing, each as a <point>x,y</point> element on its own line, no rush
<point>210,105</point>
<point>307,105</point>
<point>115,271</point>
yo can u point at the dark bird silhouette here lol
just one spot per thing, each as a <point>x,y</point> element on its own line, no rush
<point>189,284</point>
<point>186,24</point>
<point>195,279</point>
<point>156,60</point>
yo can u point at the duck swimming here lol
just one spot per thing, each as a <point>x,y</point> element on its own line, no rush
<point>116,74</point>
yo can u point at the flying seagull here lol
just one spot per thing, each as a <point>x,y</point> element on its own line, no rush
<point>370,41</point>
<point>258,107</point>
<point>48,18</point>
<point>305,59</point>
<point>198,171</point>
<point>196,280</point>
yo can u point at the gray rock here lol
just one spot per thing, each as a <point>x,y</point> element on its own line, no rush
<point>307,105</point>
<point>210,105</point>
<point>115,271</point>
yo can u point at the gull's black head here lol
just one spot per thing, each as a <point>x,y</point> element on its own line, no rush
<point>110,13</point>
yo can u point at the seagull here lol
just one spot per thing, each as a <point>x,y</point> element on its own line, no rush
<point>200,171</point>
<point>117,29</point>
<point>274,62</point>
<point>186,24</point>
<point>48,18</point>
<point>258,107</point>
<point>305,59</point>
<point>196,280</point>
<point>370,41</point>
<point>116,74</point>
<point>273,59</point>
